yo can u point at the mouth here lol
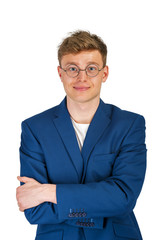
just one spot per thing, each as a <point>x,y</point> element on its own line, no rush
<point>81,88</point>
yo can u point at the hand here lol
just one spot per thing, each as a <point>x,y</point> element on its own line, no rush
<point>33,193</point>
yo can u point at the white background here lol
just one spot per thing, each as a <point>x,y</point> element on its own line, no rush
<point>30,33</point>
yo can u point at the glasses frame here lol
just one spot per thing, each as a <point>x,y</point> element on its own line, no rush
<point>65,70</point>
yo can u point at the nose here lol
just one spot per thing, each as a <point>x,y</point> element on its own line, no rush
<point>82,75</point>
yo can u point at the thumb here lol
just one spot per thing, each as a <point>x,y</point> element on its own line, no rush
<point>24,179</point>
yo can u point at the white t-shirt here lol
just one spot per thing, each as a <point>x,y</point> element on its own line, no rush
<point>80,130</point>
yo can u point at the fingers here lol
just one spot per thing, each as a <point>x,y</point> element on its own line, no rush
<point>19,191</point>
<point>18,199</point>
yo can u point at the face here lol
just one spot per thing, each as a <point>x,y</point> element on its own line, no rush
<point>83,88</point>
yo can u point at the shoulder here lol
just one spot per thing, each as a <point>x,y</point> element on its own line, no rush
<point>126,123</point>
<point>123,113</point>
<point>41,118</point>
<point>124,117</point>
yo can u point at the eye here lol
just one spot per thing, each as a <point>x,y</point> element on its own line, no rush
<point>72,69</point>
<point>91,68</point>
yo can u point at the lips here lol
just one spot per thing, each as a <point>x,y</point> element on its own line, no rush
<point>81,88</point>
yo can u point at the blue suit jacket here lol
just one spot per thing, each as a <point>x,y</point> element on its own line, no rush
<point>97,188</point>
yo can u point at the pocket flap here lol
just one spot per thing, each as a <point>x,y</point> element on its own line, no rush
<point>105,157</point>
<point>125,231</point>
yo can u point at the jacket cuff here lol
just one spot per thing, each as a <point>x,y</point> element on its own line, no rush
<point>75,215</point>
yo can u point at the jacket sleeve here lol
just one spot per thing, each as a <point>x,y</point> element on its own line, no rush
<point>33,165</point>
<point>117,194</point>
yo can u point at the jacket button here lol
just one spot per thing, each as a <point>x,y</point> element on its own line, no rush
<point>73,214</point>
<point>70,215</point>
<point>79,214</point>
<point>76,214</point>
<point>84,214</point>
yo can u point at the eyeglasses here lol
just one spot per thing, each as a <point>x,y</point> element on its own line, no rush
<point>73,70</point>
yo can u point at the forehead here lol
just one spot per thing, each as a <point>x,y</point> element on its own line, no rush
<point>82,58</point>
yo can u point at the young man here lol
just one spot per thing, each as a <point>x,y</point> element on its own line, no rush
<point>82,162</point>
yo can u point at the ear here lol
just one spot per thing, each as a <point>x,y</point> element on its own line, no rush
<point>59,72</point>
<point>105,73</point>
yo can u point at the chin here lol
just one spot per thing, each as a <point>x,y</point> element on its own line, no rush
<point>83,100</point>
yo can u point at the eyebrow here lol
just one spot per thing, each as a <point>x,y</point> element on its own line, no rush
<point>74,63</point>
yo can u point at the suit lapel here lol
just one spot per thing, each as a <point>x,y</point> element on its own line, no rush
<point>98,124</point>
<point>66,131</point>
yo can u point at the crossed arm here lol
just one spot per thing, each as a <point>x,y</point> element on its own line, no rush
<point>33,193</point>
<point>45,203</point>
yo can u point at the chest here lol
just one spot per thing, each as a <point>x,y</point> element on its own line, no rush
<point>66,166</point>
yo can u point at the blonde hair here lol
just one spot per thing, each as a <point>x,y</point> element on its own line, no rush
<point>81,41</point>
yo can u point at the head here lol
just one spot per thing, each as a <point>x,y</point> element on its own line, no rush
<point>82,41</point>
<point>81,53</point>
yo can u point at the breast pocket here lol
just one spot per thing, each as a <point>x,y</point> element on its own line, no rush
<point>56,235</point>
<point>102,165</point>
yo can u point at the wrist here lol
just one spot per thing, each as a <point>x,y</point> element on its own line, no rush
<point>49,193</point>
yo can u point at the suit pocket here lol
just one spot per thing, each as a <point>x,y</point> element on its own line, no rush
<point>125,231</point>
<point>105,157</point>
<point>54,235</point>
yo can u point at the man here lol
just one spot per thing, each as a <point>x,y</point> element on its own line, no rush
<point>82,162</point>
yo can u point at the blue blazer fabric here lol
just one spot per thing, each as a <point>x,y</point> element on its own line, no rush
<point>98,187</point>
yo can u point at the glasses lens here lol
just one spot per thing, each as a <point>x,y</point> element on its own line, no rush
<point>72,70</point>
<point>92,70</point>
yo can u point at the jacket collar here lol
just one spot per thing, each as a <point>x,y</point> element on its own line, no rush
<point>96,128</point>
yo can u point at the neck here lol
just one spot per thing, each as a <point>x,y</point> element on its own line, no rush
<point>82,112</point>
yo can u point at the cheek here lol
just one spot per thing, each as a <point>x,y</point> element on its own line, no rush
<point>63,79</point>
<point>67,84</point>
<point>97,83</point>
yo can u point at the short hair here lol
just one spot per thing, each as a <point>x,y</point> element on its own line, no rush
<point>82,41</point>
